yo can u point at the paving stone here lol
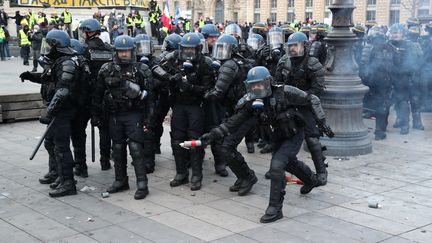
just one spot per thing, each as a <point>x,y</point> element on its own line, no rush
<point>234,239</point>
<point>396,239</point>
<point>11,234</point>
<point>219,218</point>
<point>192,226</point>
<point>168,200</point>
<point>271,235</point>
<point>423,234</point>
<point>78,238</point>
<point>157,232</point>
<point>238,209</point>
<point>40,226</point>
<point>115,234</point>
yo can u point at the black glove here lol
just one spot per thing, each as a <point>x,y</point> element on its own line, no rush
<point>95,121</point>
<point>206,139</point>
<point>325,129</point>
<point>46,119</point>
<point>212,95</point>
<point>26,76</point>
<point>176,78</point>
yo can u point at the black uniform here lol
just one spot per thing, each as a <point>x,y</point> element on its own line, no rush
<point>307,74</point>
<point>426,72</point>
<point>125,91</point>
<point>98,53</point>
<point>318,49</point>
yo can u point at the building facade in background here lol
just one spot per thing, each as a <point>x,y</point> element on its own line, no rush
<point>384,12</point>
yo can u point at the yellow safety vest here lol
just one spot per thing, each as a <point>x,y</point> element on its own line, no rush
<point>201,23</point>
<point>67,17</point>
<point>153,18</point>
<point>129,21</point>
<point>187,26</point>
<point>24,39</point>
<point>40,20</point>
<point>24,22</point>
<point>2,35</point>
<point>138,20</point>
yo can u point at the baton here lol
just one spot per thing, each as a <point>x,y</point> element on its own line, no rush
<point>93,143</point>
<point>35,150</point>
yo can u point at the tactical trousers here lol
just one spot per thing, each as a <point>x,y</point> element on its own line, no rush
<point>78,136</point>
<point>401,92</point>
<point>161,110</point>
<point>104,137</point>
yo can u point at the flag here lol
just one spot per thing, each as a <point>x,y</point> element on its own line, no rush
<point>166,16</point>
<point>177,13</point>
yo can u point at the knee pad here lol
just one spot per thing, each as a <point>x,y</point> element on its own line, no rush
<point>136,150</point>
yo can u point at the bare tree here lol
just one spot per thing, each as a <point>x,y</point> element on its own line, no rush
<point>412,6</point>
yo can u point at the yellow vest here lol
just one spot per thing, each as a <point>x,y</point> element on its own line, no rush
<point>24,22</point>
<point>67,17</point>
<point>201,23</point>
<point>40,20</point>
<point>2,35</point>
<point>129,21</point>
<point>24,39</point>
<point>153,18</point>
<point>138,20</point>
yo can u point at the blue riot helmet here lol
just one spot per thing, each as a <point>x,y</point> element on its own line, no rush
<point>412,21</point>
<point>89,28</point>
<point>210,30</point>
<point>190,47</point>
<point>396,33</point>
<point>275,38</point>
<point>58,41</point>
<point>77,47</point>
<point>376,36</point>
<point>255,41</point>
<point>124,48</point>
<point>295,46</point>
<point>171,42</point>
<point>258,83</point>
<point>413,33</point>
<point>224,47</point>
<point>234,30</point>
<point>204,48</point>
<point>144,45</point>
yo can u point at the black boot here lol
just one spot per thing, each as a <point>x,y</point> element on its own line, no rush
<point>137,154</point>
<point>57,182</point>
<point>250,147</point>
<point>236,186</point>
<point>261,143</point>
<point>105,163</point>
<point>52,174</point>
<point>81,169</point>
<point>304,173</point>
<point>247,183</point>
<point>65,189</point>
<point>149,156</point>
<point>245,176</point>
<point>277,193</point>
<point>180,158</point>
<point>196,159</point>
<point>307,187</point>
<point>315,150</point>
<point>267,175</point>
<point>267,149</point>
<point>417,122</point>
<point>121,182</point>
<point>220,165</point>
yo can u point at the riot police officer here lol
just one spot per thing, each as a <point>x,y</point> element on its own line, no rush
<point>287,30</point>
<point>360,33</point>
<point>124,85</point>
<point>192,76</point>
<point>279,103</point>
<point>300,70</point>
<point>318,47</point>
<point>229,88</point>
<point>211,34</point>
<point>61,109</point>
<point>255,41</point>
<point>243,48</point>
<point>97,53</point>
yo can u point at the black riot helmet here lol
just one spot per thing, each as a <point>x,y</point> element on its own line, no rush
<point>144,45</point>
<point>124,48</point>
<point>190,47</point>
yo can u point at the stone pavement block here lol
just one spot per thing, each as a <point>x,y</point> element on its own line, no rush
<point>396,239</point>
<point>365,182</point>
<point>157,232</point>
<point>367,220</point>
<point>345,190</point>
<point>11,234</point>
<point>346,229</point>
<point>40,226</point>
<point>115,234</point>
<point>78,238</point>
<point>423,234</point>
<point>395,209</point>
<point>419,188</point>
<point>234,239</point>
<point>9,207</point>
<point>144,207</point>
<point>411,196</point>
<point>219,218</point>
<point>328,197</point>
<point>427,183</point>
<point>168,200</point>
<point>238,209</point>
<point>387,170</point>
<point>99,207</point>
<point>269,234</point>
<point>191,226</point>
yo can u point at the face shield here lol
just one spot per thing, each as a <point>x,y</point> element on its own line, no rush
<point>187,53</point>
<point>312,36</point>
<point>144,48</point>
<point>222,51</point>
<point>234,30</point>
<point>125,56</point>
<point>205,48</point>
<point>254,43</point>
<point>396,36</point>
<point>295,50</point>
<point>45,48</point>
<point>275,39</point>
<point>259,89</point>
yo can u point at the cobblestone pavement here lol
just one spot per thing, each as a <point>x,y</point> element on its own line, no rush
<point>398,174</point>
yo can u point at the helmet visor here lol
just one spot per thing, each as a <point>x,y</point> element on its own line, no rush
<point>295,50</point>
<point>234,31</point>
<point>222,51</point>
<point>396,36</point>
<point>205,48</point>
<point>45,48</point>
<point>259,89</point>
<point>144,48</point>
<point>254,43</point>
<point>125,56</point>
<point>275,39</point>
<point>187,53</point>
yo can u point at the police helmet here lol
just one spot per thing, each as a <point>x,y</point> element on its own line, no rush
<point>258,83</point>
<point>260,29</point>
<point>255,41</point>
<point>224,47</point>
<point>359,31</point>
<point>190,46</point>
<point>318,32</point>
<point>144,45</point>
<point>90,25</point>
<point>204,44</point>
<point>287,30</point>
<point>376,36</point>
<point>210,30</point>
<point>58,40</point>
<point>124,48</point>
<point>396,32</point>
<point>171,42</point>
<point>412,21</point>
<point>299,40</point>
<point>77,47</point>
<point>413,33</point>
<point>305,29</point>
<point>275,38</point>
<point>234,30</point>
